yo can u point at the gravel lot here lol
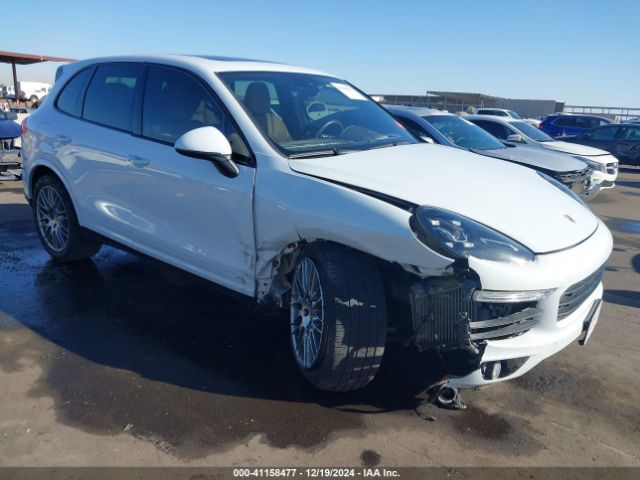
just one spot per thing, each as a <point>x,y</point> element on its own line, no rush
<point>123,361</point>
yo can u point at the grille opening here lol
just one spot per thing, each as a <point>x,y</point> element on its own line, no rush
<point>576,294</point>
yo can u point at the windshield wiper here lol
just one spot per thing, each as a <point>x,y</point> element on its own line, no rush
<point>320,153</point>
<point>392,144</point>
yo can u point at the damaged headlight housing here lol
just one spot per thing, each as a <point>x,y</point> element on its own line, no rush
<point>455,236</point>
<point>597,166</point>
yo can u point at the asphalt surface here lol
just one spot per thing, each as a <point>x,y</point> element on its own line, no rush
<point>124,361</point>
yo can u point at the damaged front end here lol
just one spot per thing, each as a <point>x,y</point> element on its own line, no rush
<point>453,314</point>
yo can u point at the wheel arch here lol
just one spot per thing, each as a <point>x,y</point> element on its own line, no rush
<point>37,171</point>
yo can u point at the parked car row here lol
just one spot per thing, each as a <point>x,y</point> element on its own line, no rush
<point>619,139</point>
<point>517,132</point>
<point>434,126</point>
<point>292,187</point>
<point>584,170</point>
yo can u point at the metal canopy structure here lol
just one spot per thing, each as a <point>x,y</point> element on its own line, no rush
<point>15,58</point>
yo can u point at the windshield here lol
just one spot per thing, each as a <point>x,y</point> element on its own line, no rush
<point>309,115</point>
<point>514,114</point>
<point>532,132</point>
<point>463,133</point>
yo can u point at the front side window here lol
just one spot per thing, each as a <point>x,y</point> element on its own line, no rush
<point>604,133</point>
<point>308,115</point>
<point>630,133</point>
<point>176,102</point>
<point>586,122</point>
<point>532,132</point>
<point>111,94</point>
<point>70,99</point>
<point>463,133</point>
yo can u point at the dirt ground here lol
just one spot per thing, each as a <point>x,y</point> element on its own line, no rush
<point>122,361</point>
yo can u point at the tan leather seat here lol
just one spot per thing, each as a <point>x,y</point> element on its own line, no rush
<point>258,102</point>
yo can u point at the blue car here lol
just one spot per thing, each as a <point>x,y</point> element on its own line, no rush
<point>558,125</point>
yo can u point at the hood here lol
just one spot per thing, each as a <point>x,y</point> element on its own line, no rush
<point>574,148</point>
<point>509,198</point>
<point>537,158</point>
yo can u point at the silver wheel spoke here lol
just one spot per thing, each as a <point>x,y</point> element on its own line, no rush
<point>306,314</point>
<point>52,218</point>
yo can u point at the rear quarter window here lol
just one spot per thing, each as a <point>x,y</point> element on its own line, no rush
<point>70,99</point>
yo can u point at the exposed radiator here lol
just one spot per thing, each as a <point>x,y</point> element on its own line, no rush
<point>445,316</point>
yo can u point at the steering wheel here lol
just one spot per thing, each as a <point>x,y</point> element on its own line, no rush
<point>322,131</point>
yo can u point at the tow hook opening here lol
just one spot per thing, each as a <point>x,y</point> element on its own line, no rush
<point>448,397</point>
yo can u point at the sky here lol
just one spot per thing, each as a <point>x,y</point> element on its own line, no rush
<point>583,52</point>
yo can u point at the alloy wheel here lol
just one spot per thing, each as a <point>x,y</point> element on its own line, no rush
<point>307,314</point>
<point>52,217</point>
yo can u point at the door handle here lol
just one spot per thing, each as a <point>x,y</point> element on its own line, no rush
<point>63,139</point>
<point>138,161</point>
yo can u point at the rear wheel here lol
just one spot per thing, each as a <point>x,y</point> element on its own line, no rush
<point>337,317</point>
<point>57,223</point>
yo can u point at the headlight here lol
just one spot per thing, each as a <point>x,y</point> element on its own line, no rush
<point>562,187</point>
<point>597,166</point>
<point>453,235</point>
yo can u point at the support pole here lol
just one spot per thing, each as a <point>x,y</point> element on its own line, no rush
<point>15,83</point>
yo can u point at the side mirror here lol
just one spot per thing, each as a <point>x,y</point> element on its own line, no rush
<point>208,143</point>
<point>426,139</point>
<point>515,138</point>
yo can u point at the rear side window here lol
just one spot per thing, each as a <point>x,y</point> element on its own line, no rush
<point>110,96</point>
<point>497,113</point>
<point>495,129</point>
<point>565,121</point>
<point>70,99</point>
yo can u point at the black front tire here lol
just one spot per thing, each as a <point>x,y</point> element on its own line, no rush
<point>355,318</point>
<point>76,247</point>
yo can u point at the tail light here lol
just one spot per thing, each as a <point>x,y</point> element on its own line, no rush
<point>24,127</point>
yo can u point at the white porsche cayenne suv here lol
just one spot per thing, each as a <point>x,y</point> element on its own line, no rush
<point>335,213</point>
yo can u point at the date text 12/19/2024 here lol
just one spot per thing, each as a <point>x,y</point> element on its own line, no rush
<point>315,472</point>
